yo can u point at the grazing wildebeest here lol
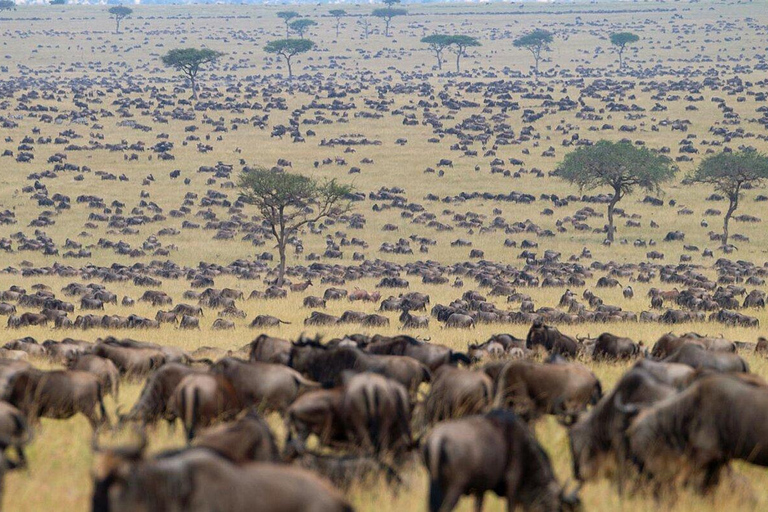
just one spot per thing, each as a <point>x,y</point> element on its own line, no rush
<point>247,439</point>
<point>460,321</point>
<point>697,357</point>
<point>431,355</point>
<point>200,479</point>
<point>57,394</point>
<point>667,344</point>
<point>316,412</point>
<point>608,346</point>
<point>376,412</point>
<point>552,340</point>
<point>152,404</point>
<point>534,389</point>
<point>320,318</point>
<point>132,362</point>
<point>189,322</point>
<point>267,321</point>
<point>457,392</point>
<point>690,437</point>
<point>272,387</point>
<point>200,399</point>
<point>326,365</point>
<point>494,452</point>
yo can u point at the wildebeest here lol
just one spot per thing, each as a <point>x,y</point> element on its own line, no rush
<point>494,452</point>
<point>200,479</point>
<point>533,389</point>
<point>429,354</point>
<point>132,362</point>
<point>457,392</point>
<point>608,346</point>
<point>267,321</point>
<point>57,394</point>
<point>200,399</point>
<point>690,437</point>
<point>667,344</point>
<point>317,412</point>
<point>271,387</point>
<point>697,357</point>
<point>247,439</point>
<point>104,369</point>
<point>269,349</point>
<point>327,365</point>
<point>376,412</point>
<point>551,339</point>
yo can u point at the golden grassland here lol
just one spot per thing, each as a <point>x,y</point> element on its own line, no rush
<point>61,44</point>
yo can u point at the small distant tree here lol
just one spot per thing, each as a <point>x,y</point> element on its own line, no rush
<point>287,16</point>
<point>188,61</point>
<point>535,42</point>
<point>729,173</point>
<point>338,14</point>
<point>622,166</point>
<point>387,13</point>
<point>390,3</point>
<point>459,44</point>
<point>437,44</point>
<point>365,22</point>
<point>287,48</point>
<point>301,25</point>
<point>119,12</point>
<point>287,202</point>
<point>620,40</point>
<point>58,2</point>
<point>7,5</point>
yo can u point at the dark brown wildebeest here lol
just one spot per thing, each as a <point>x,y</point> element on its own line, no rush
<point>376,412</point>
<point>202,398</point>
<point>166,317</point>
<point>327,365</point>
<point>494,452</point>
<point>456,392</point>
<point>460,321</point>
<point>534,389</point>
<point>314,302</point>
<point>189,322</point>
<point>267,321</point>
<point>320,318</point>
<point>611,347</point>
<point>28,345</point>
<point>430,355</point>
<point>132,362</point>
<point>698,357</point>
<point>104,369</point>
<point>690,437</point>
<point>156,298</point>
<point>272,387</point>
<point>152,404</point>
<point>374,320</point>
<point>552,340</point>
<point>247,439</point>
<point>410,321</point>
<point>269,349</point>
<point>670,343</point>
<point>316,412</point>
<point>186,309</point>
<point>222,324</point>
<point>57,394</point>
<point>200,479</point>
<point>597,438</point>
<point>27,319</point>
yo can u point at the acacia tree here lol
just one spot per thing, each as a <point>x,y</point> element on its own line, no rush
<point>365,23</point>
<point>387,13</point>
<point>287,16</point>
<point>729,173</point>
<point>390,3</point>
<point>459,44</point>
<point>437,44</point>
<point>287,48</point>
<point>620,40</point>
<point>535,42</point>
<point>621,166</point>
<point>188,61</point>
<point>119,12</point>
<point>7,5</point>
<point>338,14</point>
<point>287,202</point>
<point>301,25</point>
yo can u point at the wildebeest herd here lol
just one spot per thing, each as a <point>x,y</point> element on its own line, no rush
<point>464,327</point>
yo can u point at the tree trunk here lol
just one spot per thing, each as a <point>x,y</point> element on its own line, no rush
<point>536,67</point>
<point>621,60</point>
<point>193,84</point>
<point>287,30</point>
<point>290,71</point>
<point>731,208</point>
<point>117,26</point>
<point>386,28</point>
<point>616,198</point>
<point>281,268</point>
<point>439,61</point>
<point>458,58</point>
<point>337,29</point>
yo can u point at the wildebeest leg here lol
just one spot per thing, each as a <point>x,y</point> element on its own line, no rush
<point>479,501</point>
<point>441,500</point>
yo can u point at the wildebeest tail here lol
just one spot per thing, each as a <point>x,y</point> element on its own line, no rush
<point>460,357</point>
<point>435,459</point>
<point>102,409</point>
